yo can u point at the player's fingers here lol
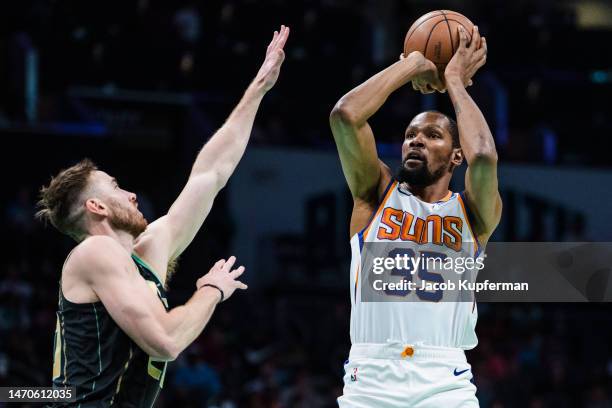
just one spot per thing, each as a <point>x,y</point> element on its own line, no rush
<point>230,262</point>
<point>273,41</point>
<point>283,37</point>
<point>274,34</point>
<point>435,84</point>
<point>475,43</point>
<point>219,263</point>
<point>481,62</point>
<point>240,285</point>
<point>483,45</point>
<point>462,37</point>
<point>414,86</point>
<point>479,53</point>
<point>237,272</point>
<point>279,38</point>
<point>427,89</point>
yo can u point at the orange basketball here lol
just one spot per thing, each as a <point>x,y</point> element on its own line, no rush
<point>435,35</point>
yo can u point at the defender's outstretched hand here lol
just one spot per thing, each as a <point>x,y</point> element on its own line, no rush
<point>468,58</point>
<point>223,277</point>
<point>270,69</point>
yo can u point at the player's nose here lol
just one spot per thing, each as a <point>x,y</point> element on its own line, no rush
<point>417,141</point>
<point>133,198</point>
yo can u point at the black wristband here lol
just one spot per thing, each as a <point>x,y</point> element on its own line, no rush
<point>216,287</point>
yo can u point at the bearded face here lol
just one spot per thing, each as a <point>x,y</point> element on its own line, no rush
<point>126,218</point>
<point>428,151</point>
<point>418,172</point>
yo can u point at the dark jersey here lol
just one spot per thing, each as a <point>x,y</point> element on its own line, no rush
<point>93,354</point>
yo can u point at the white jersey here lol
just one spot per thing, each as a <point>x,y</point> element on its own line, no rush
<point>443,225</point>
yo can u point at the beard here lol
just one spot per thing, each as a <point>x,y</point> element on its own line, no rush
<point>419,176</point>
<point>127,219</point>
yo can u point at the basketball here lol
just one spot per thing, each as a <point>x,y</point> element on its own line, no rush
<point>435,35</point>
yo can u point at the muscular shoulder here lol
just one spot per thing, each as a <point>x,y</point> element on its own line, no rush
<point>364,207</point>
<point>97,255</point>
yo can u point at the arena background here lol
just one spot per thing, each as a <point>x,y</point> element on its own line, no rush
<point>139,86</point>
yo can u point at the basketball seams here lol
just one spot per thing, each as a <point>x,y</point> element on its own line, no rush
<point>433,28</point>
<point>450,34</point>
<point>413,29</point>
<point>420,24</point>
<point>417,35</point>
<point>468,32</point>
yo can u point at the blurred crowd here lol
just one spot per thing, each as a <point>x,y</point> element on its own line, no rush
<point>544,84</point>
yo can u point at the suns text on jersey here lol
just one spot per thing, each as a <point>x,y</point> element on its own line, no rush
<point>397,225</point>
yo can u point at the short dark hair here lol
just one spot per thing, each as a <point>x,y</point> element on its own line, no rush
<point>58,199</point>
<point>452,127</point>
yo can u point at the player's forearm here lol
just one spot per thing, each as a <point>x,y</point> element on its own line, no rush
<point>474,134</point>
<point>361,103</point>
<point>224,150</point>
<point>185,323</point>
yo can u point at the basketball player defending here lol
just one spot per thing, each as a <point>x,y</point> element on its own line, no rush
<point>411,354</point>
<point>115,332</point>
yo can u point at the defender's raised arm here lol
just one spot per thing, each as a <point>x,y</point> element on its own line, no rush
<point>214,164</point>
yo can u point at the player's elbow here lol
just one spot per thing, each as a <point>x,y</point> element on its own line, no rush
<point>212,180</point>
<point>484,157</point>
<point>221,176</point>
<point>166,349</point>
<point>161,345</point>
<point>343,113</point>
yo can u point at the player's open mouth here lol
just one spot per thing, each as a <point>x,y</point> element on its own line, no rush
<point>414,157</point>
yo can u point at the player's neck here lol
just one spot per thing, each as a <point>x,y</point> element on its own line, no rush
<point>431,193</point>
<point>123,237</point>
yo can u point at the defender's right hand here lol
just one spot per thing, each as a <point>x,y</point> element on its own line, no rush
<point>221,276</point>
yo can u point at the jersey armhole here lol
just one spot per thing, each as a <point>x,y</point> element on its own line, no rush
<point>471,220</point>
<point>143,263</point>
<point>385,196</point>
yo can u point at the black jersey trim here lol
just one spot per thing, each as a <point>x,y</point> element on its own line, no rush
<point>141,261</point>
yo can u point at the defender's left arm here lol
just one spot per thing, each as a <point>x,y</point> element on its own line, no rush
<point>168,236</point>
<point>475,136</point>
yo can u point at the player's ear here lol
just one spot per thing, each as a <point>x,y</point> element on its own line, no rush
<point>96,206</point>
<point>457,157</point>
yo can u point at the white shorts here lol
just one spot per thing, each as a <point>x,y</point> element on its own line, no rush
<point>393,375</point>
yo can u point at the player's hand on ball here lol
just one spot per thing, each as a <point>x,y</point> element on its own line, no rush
<point>468,58</point>
<point>270,69</point>
<point>223,277</point>
<point>427,79</point>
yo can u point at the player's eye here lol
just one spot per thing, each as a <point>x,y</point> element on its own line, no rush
<point>410,135</point>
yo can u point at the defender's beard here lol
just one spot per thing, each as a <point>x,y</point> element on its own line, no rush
<point>127,219</point>
<point>419,176</point>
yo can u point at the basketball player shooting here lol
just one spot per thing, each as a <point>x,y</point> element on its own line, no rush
<point>411,354</point>
<point>115,332</point>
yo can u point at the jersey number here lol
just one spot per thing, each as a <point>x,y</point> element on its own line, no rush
<point>422,273</point>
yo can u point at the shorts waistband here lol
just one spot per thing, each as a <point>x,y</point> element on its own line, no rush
<point>400,351</point>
